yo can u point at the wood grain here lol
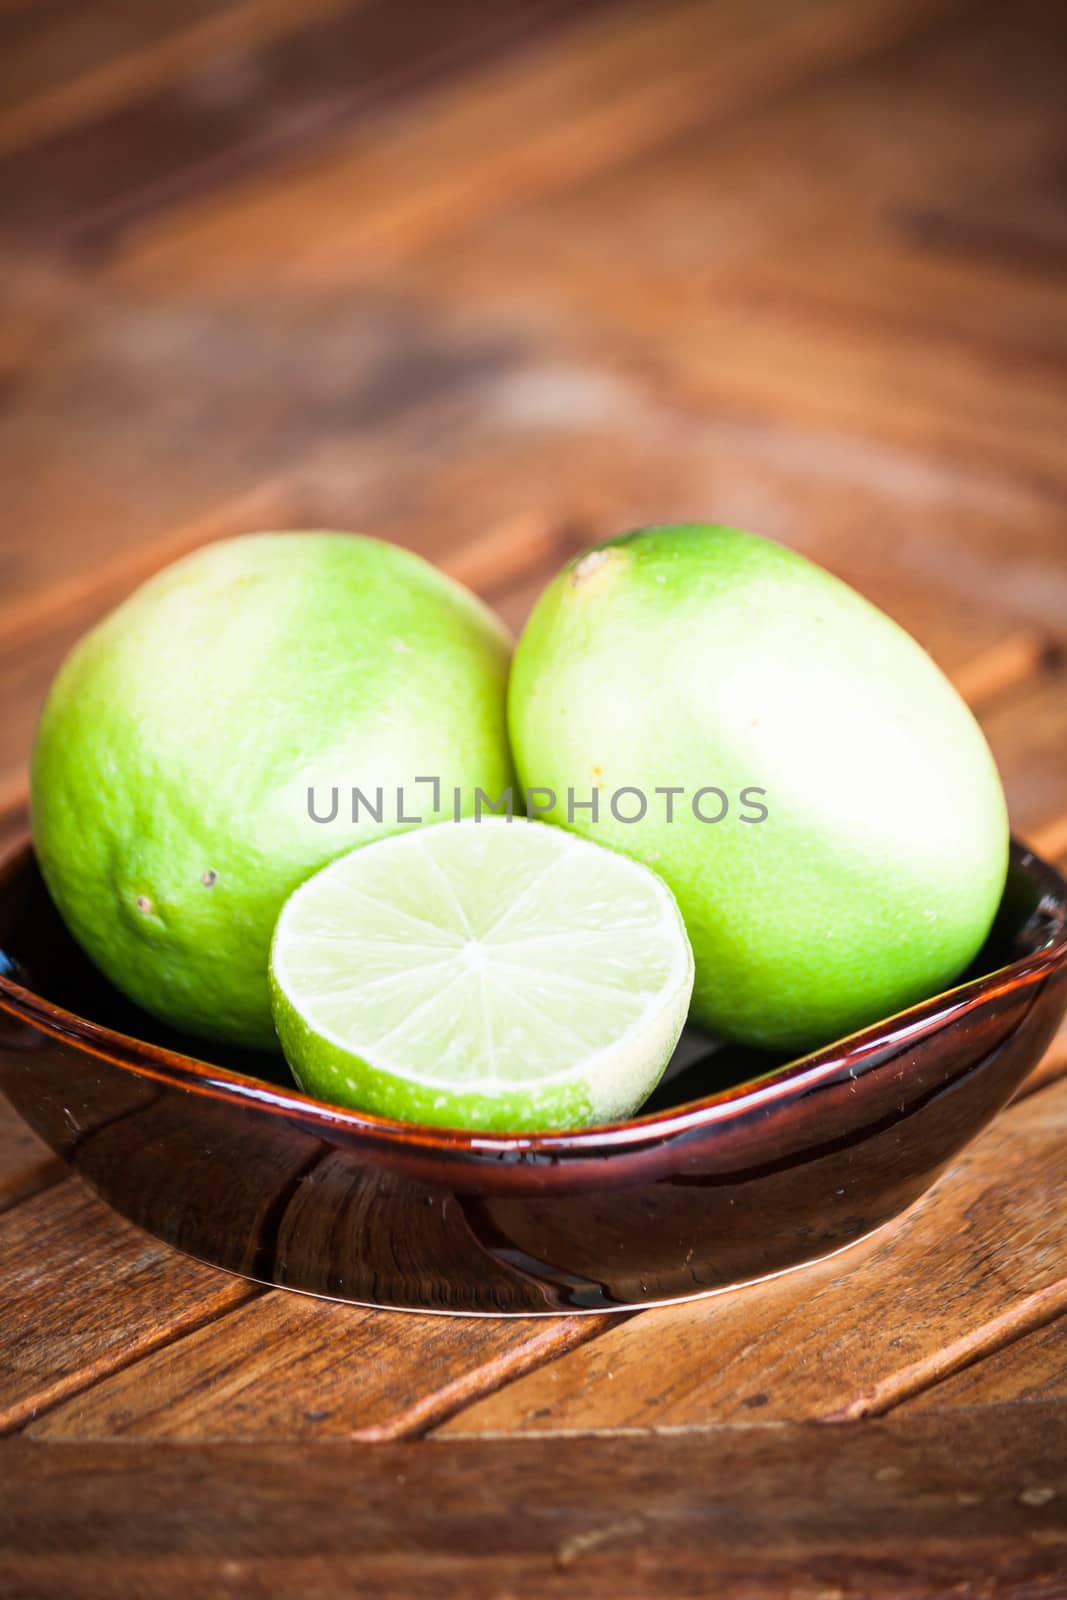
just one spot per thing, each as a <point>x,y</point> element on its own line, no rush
<point>1020,224</point>
<point>73,602</point>
<point>1028,736</point>
<point>14,816</point>
<point>36,631</point>
<point>772,362</point>
<point>58,72</point>
<point>574,494</point>
<point>81,187</point>
<point>671,68</point>
<point>1032,1368</point>
<point>48,48</point>
<point>906,1508</point>
<point>580,444</point>
<point>686,304</point>
<point>108,415</point>
<point>99,443</point>
<point>974,1264</point>
<point>1050,839</point>
<point>824,171</point>
<point>84,1293</point>
<point>288,1368</point>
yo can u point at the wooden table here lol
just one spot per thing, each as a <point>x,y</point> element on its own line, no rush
<point>493,281</point>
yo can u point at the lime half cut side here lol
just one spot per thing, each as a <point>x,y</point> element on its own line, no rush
<point>483,974</point>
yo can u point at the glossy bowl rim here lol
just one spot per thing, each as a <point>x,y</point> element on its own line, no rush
<point>143,1059</point>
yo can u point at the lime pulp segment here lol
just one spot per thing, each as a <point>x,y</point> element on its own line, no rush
<point>482,974</point>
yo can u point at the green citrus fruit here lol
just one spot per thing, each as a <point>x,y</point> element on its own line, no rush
<point>485,974</point>
<point>849,848</point>
<point>181,738</point>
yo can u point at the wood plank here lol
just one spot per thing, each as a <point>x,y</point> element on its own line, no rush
<point>296,1365</point>
<point>1029,1369</point>
<point>692,239</point>
<point>986,676</point>
<point>835,278</point>
<point>57,72</point>
<point>565,478</point>
<point>978,1261</point>
<point>75,600</point>
<point>286,1367</point>
<point>803,200</point>
<point>1016,640</point>
<point>81,186</point>
<point>509,556</point>
<point>49,46</point>
<point>83,1293</point>
<point>102,447</point>
<point>91,383</point>
<point>580,446</point>
<point>616,87</point>
<point>576,483</point>
<point>1020,224</point>
<point>37,630</point>
<point>901,1508</point>
<point>1050,840</point>
<point>14,816</point>
<point>1027,732</point>
<point>823,155</point>
<point>773,364</point>
<point>37,299</point>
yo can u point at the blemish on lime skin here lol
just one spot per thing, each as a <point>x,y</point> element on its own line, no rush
<point>588,564</point>
<point>210,878</point>
<point>144,905</point>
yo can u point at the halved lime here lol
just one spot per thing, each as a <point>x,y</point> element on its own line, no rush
<point>482,974</point>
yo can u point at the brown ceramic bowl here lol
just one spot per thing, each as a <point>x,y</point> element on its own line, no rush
<point>741,1165</point>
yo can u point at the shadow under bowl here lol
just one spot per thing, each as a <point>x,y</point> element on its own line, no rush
<point>741,1166</point>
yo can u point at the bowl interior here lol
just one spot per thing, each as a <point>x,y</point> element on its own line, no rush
<point>38,953</point>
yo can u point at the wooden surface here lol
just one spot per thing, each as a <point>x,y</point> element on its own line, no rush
<point>964,1503</point>
<point>495,281</point>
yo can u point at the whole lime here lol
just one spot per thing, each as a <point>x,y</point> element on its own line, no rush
<point>810,785</point>
<point>197,755</point>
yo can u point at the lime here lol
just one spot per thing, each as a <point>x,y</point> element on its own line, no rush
<point>198,753</point>
<point>836,836</point>
<point>482,974</point>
